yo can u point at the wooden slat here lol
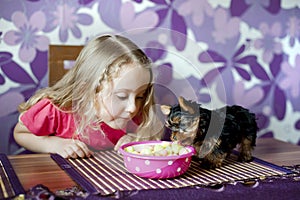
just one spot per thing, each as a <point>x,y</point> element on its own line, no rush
<point>56,56</point>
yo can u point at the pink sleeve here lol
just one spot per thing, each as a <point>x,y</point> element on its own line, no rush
<point>40,119</point>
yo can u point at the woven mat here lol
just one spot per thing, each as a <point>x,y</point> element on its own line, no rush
<point>10,185</point>
<point>105,173</point>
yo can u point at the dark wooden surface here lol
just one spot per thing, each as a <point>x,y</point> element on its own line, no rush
<point>277,152</point>
<point>33,169</point>
<point>57,55</point>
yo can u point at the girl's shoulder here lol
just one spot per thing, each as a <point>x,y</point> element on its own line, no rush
<point>45,107</point>
<point>44,118</point>
<point>47,104</point>
<point>44,102</point>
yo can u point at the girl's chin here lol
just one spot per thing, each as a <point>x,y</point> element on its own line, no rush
<point>117,124</point>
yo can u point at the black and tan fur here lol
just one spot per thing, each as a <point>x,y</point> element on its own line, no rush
<point>214,134</point>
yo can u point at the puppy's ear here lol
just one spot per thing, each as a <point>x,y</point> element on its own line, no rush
<point>165,109</point>
<point>184,105</point>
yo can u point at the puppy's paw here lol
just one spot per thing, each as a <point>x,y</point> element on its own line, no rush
<point>211,164</point>
<point>245,156</point>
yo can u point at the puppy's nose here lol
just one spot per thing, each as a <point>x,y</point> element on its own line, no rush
<point>174,137</point>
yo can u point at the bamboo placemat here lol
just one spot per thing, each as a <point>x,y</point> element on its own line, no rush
<point>10,185</point>
<point>105,173</point>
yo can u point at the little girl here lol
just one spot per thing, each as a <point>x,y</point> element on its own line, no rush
<point>104,101</point>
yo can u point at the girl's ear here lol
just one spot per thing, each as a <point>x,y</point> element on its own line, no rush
<point>184,105</point>
<point>165,109</point>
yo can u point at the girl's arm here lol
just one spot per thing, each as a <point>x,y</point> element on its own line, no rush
<point>67,148</point>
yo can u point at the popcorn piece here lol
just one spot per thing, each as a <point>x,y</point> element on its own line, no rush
<point>163,149</point>
<point>146,151</point>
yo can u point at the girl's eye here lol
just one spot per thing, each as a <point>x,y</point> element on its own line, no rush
<point>122,96</point>
<point>140,97</point>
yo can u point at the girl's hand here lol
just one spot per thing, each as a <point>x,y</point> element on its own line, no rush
<point>69,148</point>
<point>123,140</point>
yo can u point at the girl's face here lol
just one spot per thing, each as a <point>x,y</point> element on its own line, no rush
<point>122,98</point>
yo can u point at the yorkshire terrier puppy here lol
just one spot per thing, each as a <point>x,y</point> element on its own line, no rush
<point>213,133</point>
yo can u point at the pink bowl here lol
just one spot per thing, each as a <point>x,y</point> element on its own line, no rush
<point>156,167</point>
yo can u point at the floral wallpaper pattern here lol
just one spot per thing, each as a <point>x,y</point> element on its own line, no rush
<point>217,52</point>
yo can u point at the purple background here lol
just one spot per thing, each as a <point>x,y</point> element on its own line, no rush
<point>244,52</point>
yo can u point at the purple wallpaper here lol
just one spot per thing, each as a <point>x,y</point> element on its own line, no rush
<point>244,52</point>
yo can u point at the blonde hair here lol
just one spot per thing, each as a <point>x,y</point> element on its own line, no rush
<point>97,63</point>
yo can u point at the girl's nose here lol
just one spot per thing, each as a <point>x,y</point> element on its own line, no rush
<point>131,107</point>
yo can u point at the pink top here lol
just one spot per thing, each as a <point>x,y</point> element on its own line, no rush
<point>44,118</point>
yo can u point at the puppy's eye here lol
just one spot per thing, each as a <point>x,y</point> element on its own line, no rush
<point>174,128</point>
